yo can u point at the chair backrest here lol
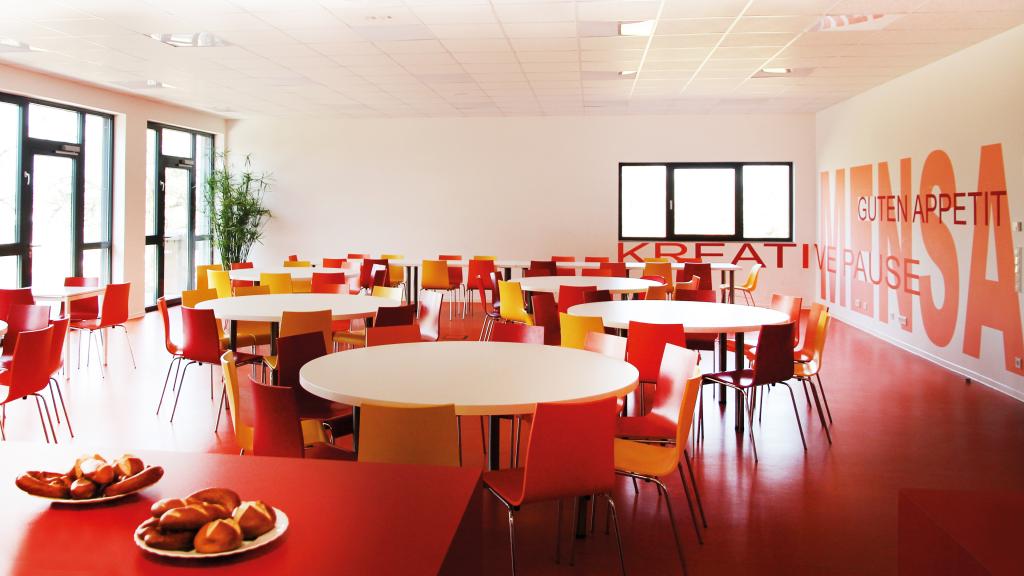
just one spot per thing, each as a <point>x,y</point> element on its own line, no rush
<point>12,296</point>
<point>691,284</point>
<point>30,366</point>
<point>657,259</point>
<point>296,263</point>
<point>322,278</point>
<point>820,335</point>
<point>661,269</point>
<point>773,357</point>
<point>241,416</point>
<point>189,298</point>
<point>279,283</point>
<point>24,318</point>
<point>569,296</point>
<point>380,336</point>
<point>312,321</point>
<point>699,269</point>
<point>675,370</point>
<point>435,275</point>
<point>513,306</point>
<point>696,295</point>
<point>485,257</point>
<point>575,328</point>
<point>521,333</point>
<point>597,296</point>
<point>479,274</point>
<point>659,292</point>
<point>219,280</point>
<point>292,258</point>
<point>396,274</point>
<point>618,269</point>
<point>354,256</point>
<point>561,270</point>
<point>611,346</point>
<point>202,274</point>
<point>200,335</point>
<point>811,327</point>
<point>596,259</point>
<point>750,284</point>
<point>645,346</point>
<point>252,290</point>
<point>293,351</point>
<point>115,304</point>
<point>596,272</point>
<point>791,306</point>
<point>570,451</point>
<point>380,275</point>
<point>83,308</point>
<point>276,428</point>
<point>334,262</point>
<point>429,317</point>
<point>545,313</point>
<point>241,265</point>
<point>389,292</point>
<point>426,435</point>
<point>60,332</point>
<point>404,315</point>
<point>542,268</point>
<point>366,272</point>
<point>165,317</point>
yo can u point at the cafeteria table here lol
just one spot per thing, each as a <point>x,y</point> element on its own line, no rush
<point>344,517</point>
<point>614,285</point>
<point>297,273</point>
<point>696,318</point>
<point>64,295</point>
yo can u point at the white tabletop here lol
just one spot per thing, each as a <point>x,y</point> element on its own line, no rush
<point>611,284</point>
<point>526,264</point>
<point>66,292</point>
<point>3,327</point>
<point>270,307</point>
<point>479,378</point>
<point>303,273</point>
<point>679,265</point>
<point>696,317</point>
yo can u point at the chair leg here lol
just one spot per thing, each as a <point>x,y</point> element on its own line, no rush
<point>618,534</point>
<point>750,424</point>
<point>558,533</point>
<point>512,539</point>
<point>60,395</point>
<point>696,491</point>
<point>483,436</point>
<point>575,527</point>
<point>164,390</point>
<point>131,352</point>
<point>672,521</point>
<point>53,401</point>
<point>46,408</point>
<point>181,385</point>
<point>823,397</point>
<point>796,414</point>
<point>46,433</point>
<point>689,504</point>
<point>220,405</point>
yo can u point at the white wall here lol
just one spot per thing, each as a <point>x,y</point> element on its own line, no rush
<point>131,115</point>
<point>512,187</point>
<point>957,105</point>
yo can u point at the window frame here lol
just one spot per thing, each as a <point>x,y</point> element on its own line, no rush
<point>737,236</point>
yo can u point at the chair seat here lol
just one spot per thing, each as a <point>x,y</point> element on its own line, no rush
<point>649,427</point>
<point>322,451</point>
<point>701,341</point>
<point>508,483</point>
<point>90,324</point>
<point>351,337</point>
<point>646,459</point>
<point>244,358</point>
<point>734,378</point>
<point>341,325</point>
<point>805,369</point>
<point>316,408</point>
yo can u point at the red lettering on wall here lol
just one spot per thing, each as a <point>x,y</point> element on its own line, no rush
<point>895,241</point>
<point>673,250</point>
<point>861,185</point>
<point>832,233</point>
<point>939,321</point>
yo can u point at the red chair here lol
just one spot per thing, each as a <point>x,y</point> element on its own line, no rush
<point>84,308</point>
<point>569,454</point>
<point>541,268</point>
<point>701,270</point>
<point>788,305</point>
<point>545,313</point>
<point>404,315</point>
<point>22,318</point>
<point>618,269</point>
<point>597,296</point>
<point>596,259</point>
<point>325,278</point>
<point>699,341</point>
<point>662,287</point>
<point>773,364</point>
<point>569,296</point>
<point>29,375</point>
<point>479,276</point>
<point>56,361</point>
<point>521,333</point>
<point>334,262</point>
<point>13,296</point>
<point>366,273</point>
<point>354,256</point>
<point>596,272</point>
<point>430,315</point>
<point>561,270</point>
<point>113,314</point>
<point>241,283</point>
<point>661,424</point>
<point>381,336</point>
<point>535,272</point>
<point>276,427</point>
<point>293,352</point>
<point>645,345</point>
<point>172,347</point>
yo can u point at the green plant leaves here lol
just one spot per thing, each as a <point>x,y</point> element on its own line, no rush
<point>237,214</point>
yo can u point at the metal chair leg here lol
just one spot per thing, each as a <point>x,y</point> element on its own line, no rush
<point>796,413</point>
<point>689,504</point>
<point>164,390</point>
<point>824,398</point>
<point>558,534</point>
<point>817,404</point>
<point>60,395</point>
<point>750,425</point>
<point>483,436</point>
<point>46,434</point>
<point>672,521</point>
<point>46,408</point>
<point>512,539</point>
<point>53,401</point>
<point>131,352</point>
<point>575,527</point>
<point>696,491</point>
<point>181,385</point>
<point>618,534</point>
<point>220,408</point>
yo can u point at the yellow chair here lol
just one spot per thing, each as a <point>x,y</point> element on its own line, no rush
<point>302,286</point>
<point>241,418</point>
<point>663,269</point>
<point>485,257</point>
<point>252,290</point>
<point>189,298</point>
<point>278,283</point>
<point>293,323</point>
<point>651,461</point>
<point>395,273</point>
<point>219,280</point>
<point>576,328</point>
<point>416,435</point>
<point>513,306</point>
<point>435,277</point>
<point>748,286</point>
<point>389,292</point>
<point>201,281</point>
<point>656,260</point>
<point>297,264</point>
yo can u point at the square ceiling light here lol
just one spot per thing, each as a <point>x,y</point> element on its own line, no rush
<point>641,28</point>
<point>190,40</point>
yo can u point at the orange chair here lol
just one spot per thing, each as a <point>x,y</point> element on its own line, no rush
<point>454,272</point>
<point>807,370</point>
<point>29,375</point>
<point>83,308</point>
<point>596,259</point>
<point>575,328</point>
<point>663,270</point>
<point>748,286</point>
<point>391,316</point>
<point>323,278</point>
<point>277,430</point>
<point>382,336</point>
<point>641,460</point>
<point>13,296</point>
<point>202,275</point>
<point>658,292</point>
<point>354,256</point>
<point>424,435</point>
<point>302,322</point>
<point>56,361</point>
<point>202,345</point>
<point>334,262</point>
<point>645,345</point>
<point>569,454</point>
<point>173,348</point>
<point>788,305</point>
<point>279,283</point>
<point>240,408</point>
<point>808,344</point>
<point>22,318</point>
<point>429,318</point>
<point>688,286</point>
<point>562,270</point>
<point>396,273</point>
<point>545,314</point>
<point>597,272</point>
<point>436,277</point>
<point>113,314</point>
<point>569,296</point>
<point>520,333</point>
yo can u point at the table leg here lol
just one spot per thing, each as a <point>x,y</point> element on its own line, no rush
<point>233,331</point>
<point>493,443</point>
<point>416,286</point>
<point>739,397</point>
<point>732,286</point>
<point>582,503</point>
<point>355,429</point>
<point>722,366</point>
<point>508,274</point>
<point>273,338</point>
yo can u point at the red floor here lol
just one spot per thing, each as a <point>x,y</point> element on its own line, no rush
<point>900,422</point>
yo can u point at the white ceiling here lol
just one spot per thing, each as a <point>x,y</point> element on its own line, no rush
<point>385,58</point>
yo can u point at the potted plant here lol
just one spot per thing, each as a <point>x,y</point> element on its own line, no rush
<point>236,210</point>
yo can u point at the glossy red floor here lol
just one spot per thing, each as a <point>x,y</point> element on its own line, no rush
<point>900,422</point>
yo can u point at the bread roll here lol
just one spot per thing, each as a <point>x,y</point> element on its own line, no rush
<point>255,519</point>
<point>83,489</point>
<point>192,517</point>
<point>127,466</point>
<point>160,506</point>
<point>218,536</point>
<point>223,496</point>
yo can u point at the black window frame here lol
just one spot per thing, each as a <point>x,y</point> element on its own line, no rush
<point>27,148</point>
<point>737,236</point>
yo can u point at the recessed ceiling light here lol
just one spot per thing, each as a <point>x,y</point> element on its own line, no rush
<point>853,22</point>
<point>190,40</point>
<point>776,70</point>
<point>144,84</point>
<point>627,73</point>
<point>12,45</point>
<point>641,28</point>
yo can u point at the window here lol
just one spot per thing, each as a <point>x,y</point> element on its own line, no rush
<point>724,201</point>
<point>55,192</point>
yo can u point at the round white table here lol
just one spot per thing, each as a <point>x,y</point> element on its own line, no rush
<point>611,284</point>
<point>479,378</point>
<point>696,317</point>
<point>304,273</point>
<point>270,308</point>
<point>3,327</point>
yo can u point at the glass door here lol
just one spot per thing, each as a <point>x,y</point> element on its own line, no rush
<point>52,179</point>
<point>178,183</point>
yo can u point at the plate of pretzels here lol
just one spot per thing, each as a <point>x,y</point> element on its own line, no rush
<point>209,523</point>
<point>92,479</point>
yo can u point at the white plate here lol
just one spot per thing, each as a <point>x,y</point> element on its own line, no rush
<point>88,501</point>
<point>279,529</point>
